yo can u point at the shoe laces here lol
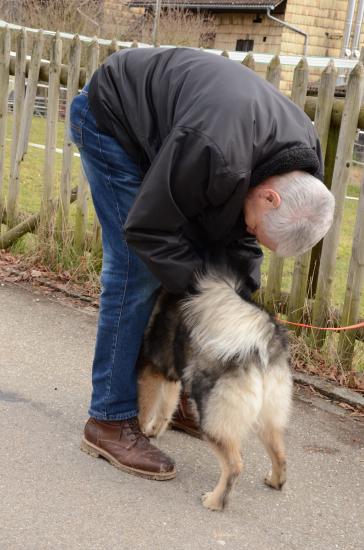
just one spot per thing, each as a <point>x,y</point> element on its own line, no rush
<point>134,429</point>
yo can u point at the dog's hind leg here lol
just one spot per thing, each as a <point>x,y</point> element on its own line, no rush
<point>273,441</point>
<point>158,399</point>
<point>273,420</point>
<point>231,464</point>
<point>231,410</point>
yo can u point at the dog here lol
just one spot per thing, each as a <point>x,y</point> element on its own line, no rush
<point>232,358</point>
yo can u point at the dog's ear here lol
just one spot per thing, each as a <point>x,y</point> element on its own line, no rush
<point>244,291</point>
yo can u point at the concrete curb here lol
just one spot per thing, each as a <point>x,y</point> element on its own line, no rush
<point>330,390</point>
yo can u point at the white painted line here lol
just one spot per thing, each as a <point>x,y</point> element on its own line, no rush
<point>59,151</point>
<point>42,147</point>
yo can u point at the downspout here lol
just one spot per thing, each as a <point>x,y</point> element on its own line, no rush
<point>358,23</point>
<point>345,51</point>
<point>291,27</point>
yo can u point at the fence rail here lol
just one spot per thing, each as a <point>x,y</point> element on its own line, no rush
<point>336,120</point>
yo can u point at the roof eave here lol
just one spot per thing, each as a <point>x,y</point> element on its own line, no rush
<point>254,7</point>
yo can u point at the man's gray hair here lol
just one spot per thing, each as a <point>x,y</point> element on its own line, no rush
<point>304,216</point>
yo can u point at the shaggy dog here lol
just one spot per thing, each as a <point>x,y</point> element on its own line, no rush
<point>231,357</point>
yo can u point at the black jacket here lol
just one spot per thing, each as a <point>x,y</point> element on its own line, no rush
<point>203,129</point>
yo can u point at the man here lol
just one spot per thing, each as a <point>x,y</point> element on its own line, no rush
<point>186,153</point>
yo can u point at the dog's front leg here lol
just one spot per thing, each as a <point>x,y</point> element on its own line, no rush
<point>228,454</point>
<point>158,399</point>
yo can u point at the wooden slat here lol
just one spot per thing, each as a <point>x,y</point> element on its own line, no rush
<point>65,190</point>
<point>4,90</point>
<point>340,177</point>
<point>249,61</point>
<point>272,294</point>
<point>274,71</point>
<point>325,101</point>
<point>24,130</point>
<point>83,188</point>
<point>19,92</point>
<point>49,171</point>
<point>112,48</point>
<point>302,263</point>
<point>322,121</point>
<point>354,287</point>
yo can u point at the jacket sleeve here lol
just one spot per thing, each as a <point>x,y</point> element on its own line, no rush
<point>245,256</point>
<point>182,181</point>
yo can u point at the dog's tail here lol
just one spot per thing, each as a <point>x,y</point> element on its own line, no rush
<point>223,324</point>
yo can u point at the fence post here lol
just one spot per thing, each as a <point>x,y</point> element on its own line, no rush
<point>83,191</point>
<point>275,271</point>
<point>325,101</point>
<point>92,64</point>
<point>113,47</point>
<point>249,61</point>
<point>24,129</point>
<point>302,263</point>
<point>19,92</point>
<point>330,158</point>
<point>65,190</point>
<point>354,285</point>
<point>225,54</point>
<point>47,212</point>
<point>344,153</point>
<point>274,70</point>
<point>4,90</point>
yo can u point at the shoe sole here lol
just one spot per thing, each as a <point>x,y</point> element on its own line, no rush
<point>96,452</point>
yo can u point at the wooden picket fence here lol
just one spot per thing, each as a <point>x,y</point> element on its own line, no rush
<point>336,121</point>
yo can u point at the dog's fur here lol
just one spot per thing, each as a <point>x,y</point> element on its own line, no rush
<point>231,357</point>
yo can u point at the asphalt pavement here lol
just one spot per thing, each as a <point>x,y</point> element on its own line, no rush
<point>53,496</point>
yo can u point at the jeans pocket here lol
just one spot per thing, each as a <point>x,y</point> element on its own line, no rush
<point>75,135</point>
<point>78,111</point>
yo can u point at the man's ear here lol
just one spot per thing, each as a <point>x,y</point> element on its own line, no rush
<point>271,197</point>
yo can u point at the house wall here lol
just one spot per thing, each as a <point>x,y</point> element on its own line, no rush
<point>231,27</point>
<point>324,21</point>
<point>118,18</point>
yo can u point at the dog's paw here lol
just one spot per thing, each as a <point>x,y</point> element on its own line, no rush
<point>155,427</point>
<point>274,482</point>
<point>210,502</point>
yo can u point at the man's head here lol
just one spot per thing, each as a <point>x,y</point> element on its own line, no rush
<point>289,213</point>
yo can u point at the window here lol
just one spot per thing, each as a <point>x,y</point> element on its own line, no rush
<point>244,45</point>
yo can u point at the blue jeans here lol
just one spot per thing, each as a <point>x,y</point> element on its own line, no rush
<point>128,289</point>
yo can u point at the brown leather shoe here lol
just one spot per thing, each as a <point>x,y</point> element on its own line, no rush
<point>123,444</point>
<point>184,418</point>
